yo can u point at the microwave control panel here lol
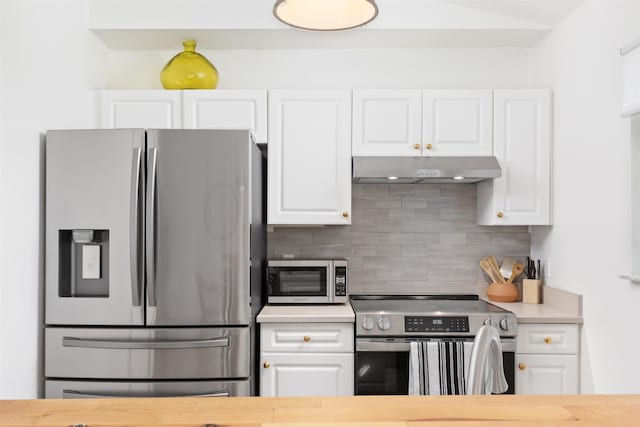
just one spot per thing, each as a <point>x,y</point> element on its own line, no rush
<point>436,324</point>
<point>341,282</point>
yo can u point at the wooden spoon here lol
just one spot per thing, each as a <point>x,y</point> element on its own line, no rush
<point>518,268</point>
<point>493,273</point>
<point>495,264</point>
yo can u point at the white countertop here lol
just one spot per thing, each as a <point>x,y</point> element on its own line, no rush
<point>308,313</point>
<point>539,313</point>
<point>559,307</point>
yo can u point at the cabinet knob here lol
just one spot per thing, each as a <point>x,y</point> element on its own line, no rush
<point>547,340</point>
<point>416,146</point>
<point>500,215</point>
<point>428,146</point>
<point>266,364</point>
<point>306,338</point>
<point>345,214</point>
<point>522,366</point>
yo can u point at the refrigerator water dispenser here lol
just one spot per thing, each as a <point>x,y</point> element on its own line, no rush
<point>84,263</point>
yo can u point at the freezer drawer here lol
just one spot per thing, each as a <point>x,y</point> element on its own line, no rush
<point>106,389</point>
<point>147,353</point>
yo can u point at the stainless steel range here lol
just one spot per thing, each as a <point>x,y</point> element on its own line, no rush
<point>386,325</point>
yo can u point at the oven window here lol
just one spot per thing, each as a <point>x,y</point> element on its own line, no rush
<point>298,281</point>
<point>509,361</point>
<point>382,372</point>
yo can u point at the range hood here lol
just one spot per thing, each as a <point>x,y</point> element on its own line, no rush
<point>425,170</point>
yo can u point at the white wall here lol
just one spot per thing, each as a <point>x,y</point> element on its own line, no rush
<point>589,243</point>
<point>50,61</point>
<point>320,69</point>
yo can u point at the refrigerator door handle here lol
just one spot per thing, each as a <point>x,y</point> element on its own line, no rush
<point>74,394</point>
<point>134,226</point>
<point>144,345</point>
<point>151,225</point>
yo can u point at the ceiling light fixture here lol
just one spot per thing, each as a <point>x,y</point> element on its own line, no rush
<point>457,178</point>
<point>392,178</point>
<point>325,15</point>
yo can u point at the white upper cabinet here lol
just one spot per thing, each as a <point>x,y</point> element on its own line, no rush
<point>226,109</point>
<point>422,123</point>
<point>309,173</point>
<point>522,145</point>
<point>387,122</point>
<point>154,109</point>
<point>457,122</point>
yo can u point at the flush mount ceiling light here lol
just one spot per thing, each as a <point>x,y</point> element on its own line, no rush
<point>325,15</point>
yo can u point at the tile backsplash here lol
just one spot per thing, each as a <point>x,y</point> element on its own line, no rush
<point>407,239</point>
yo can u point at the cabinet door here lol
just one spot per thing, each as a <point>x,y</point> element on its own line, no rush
<point>309,173</point>
<point>310,374</point>
<point>546,374</point>
<point>387,123</point>
<point>522,144</point>
<point>151,109</point>
<point>226,109</point>
<point>457,123</point>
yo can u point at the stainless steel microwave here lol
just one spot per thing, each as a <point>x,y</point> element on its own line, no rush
<point>311,281</point>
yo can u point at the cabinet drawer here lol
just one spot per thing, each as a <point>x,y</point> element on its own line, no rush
<point>307,337</point>
<point>546,338</point>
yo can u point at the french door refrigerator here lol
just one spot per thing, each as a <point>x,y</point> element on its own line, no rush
<point>155,245</point>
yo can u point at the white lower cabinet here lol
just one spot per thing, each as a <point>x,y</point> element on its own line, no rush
<point>307,374</point>
<point>547,359</point>
<point>306,359</point>
<point>547,374</point>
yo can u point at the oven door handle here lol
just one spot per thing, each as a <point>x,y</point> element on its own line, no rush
<point>508,344</point>
<point>382,345</point>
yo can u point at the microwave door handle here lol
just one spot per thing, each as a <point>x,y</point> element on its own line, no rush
<point>134,226</point>
<point>151,226</point>
<point>331,291</point>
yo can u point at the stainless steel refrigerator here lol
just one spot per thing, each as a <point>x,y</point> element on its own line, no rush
<point>155,244</point>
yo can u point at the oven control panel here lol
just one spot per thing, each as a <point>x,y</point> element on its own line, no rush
<point>436,324</point>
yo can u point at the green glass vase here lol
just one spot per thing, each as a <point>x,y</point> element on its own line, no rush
<point>189,70</point>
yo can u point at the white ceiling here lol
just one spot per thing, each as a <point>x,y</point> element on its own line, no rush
<point>249,24</point>
<point>548,12</point>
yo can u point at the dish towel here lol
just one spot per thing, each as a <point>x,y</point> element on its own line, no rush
<point>439,367</point>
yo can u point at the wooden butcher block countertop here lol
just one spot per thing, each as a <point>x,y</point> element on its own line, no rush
<point>360,411</point>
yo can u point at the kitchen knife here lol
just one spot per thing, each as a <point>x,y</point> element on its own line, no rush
<point>538,271</point>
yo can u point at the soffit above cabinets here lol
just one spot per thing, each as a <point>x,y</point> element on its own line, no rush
<point>249,24</point>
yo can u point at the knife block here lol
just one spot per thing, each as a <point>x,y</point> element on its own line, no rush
<point>531,291</point>
<point>502,292</point>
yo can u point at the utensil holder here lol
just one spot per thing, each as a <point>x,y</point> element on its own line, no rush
<point>502,292</point>
<point>532,291</point>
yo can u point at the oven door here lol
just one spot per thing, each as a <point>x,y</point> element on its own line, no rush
<point>294,282</point>
<point>382,365</point>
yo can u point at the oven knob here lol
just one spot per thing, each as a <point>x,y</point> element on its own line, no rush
<point>384,323</point>
<point>367,323</point>
<point>504,323</point>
